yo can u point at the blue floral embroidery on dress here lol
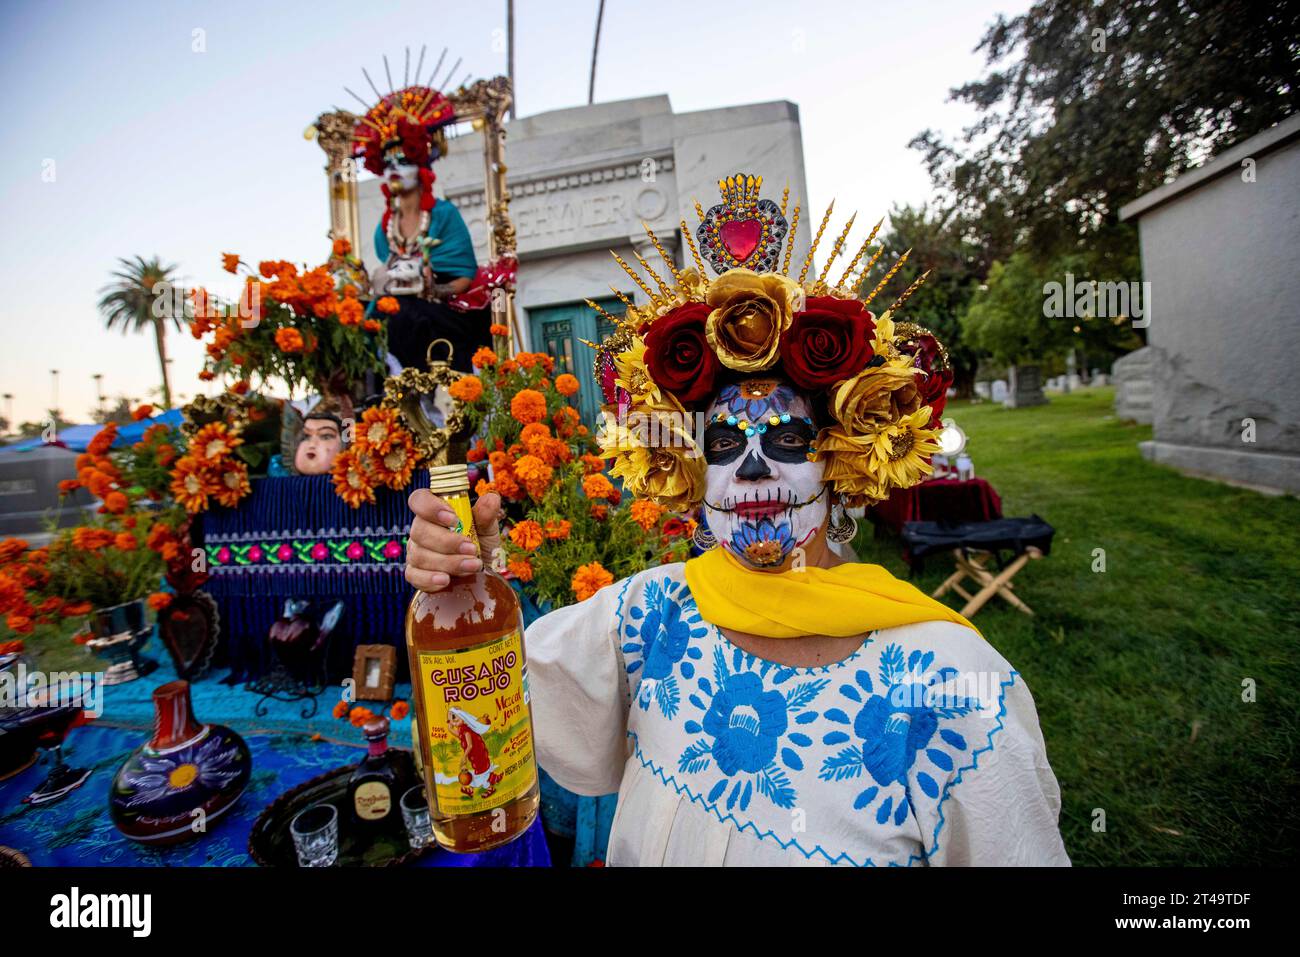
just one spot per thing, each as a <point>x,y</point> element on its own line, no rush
<point>893,729</point>
<point>662,629</point>
<point>747,727</point>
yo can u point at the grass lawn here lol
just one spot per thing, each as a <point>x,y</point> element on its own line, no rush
<point>1138,671</point>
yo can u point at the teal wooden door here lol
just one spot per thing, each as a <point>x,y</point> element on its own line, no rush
<point>558,331</point>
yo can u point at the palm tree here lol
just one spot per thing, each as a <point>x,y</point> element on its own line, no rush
<point>131,304</point>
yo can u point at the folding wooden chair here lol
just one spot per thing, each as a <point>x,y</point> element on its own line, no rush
<point>971,564</point>
<point>973,545</point>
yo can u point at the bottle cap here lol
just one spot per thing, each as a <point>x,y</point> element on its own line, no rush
<point>375,729</point>
<point>448,479</point>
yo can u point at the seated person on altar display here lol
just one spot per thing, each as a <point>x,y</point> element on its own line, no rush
<point>427,256</point>
<point>768,702</point>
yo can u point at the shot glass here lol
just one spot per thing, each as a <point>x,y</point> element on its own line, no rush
<point>415,812</point>
<point>316,835</point>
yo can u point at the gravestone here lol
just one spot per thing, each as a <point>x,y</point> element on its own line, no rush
<point>1025,388</point>
<point>29,492</point>
<point>998,391</point>
<point>1134,382</point>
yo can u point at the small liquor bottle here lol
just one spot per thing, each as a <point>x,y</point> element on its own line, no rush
<point>470,680</point>
<point>378,781</point>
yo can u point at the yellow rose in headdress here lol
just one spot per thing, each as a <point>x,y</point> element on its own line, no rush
<point>876,396</point>
<point>750,312</point>
<point>849,465</point>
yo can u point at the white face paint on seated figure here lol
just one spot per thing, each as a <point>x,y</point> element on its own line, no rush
<point>402,177</point>
<point>319,445</point>
<point>763,497</point>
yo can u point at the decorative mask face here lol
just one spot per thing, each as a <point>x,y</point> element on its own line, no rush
<point>320,443</point>
<point>400,175</point>
<point>763,498</point>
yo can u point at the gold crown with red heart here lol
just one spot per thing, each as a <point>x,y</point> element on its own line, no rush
<point>878,387</point>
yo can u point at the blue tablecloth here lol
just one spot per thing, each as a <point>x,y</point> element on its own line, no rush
<point>77,831</point>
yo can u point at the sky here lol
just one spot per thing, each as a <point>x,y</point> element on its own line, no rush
<point>176,129</point>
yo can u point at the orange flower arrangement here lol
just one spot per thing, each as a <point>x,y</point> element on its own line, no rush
<point>597,486</point>
<point>483,358</point>
<point>566,384</point>
<point>589,579</point>
<point>534,475</point>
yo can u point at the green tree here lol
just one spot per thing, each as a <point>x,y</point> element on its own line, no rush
<point>957,266</point>
<point>143,295</point>
<point>1087,104</point>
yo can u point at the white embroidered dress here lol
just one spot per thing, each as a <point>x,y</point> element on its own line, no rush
<point>923,746</point>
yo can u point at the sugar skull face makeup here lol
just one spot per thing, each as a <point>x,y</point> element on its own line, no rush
<point>763,498</point>
<point>401,176</point>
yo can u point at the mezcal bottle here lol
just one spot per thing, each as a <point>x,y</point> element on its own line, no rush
<point>470,681</point>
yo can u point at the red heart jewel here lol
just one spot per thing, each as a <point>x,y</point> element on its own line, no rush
<point>740,237</point>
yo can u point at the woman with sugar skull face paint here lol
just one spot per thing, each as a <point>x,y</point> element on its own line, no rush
<point>771,702</point>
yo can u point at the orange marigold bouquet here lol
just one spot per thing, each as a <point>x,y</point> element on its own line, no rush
<point>300,326</point>
<point>573,530</point>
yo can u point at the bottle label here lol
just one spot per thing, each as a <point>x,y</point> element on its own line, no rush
<point>372,800</point>
<point>477,725</point>
<point>459,503</point>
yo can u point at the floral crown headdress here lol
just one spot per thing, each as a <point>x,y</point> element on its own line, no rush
<point>879,385</point>
<point>410,117</point>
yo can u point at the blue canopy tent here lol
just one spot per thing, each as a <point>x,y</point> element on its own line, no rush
<point>77,437</point>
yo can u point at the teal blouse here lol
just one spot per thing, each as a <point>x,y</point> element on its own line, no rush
<point>453,255</point>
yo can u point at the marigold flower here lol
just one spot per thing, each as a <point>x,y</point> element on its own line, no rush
<point>351,312</point>
<point>372,325</point>
<point>468,388</point>
<point>289,340</point>
<point>76,609</point>
<point>507,487</point>
<point>10,549</point>
<point>399,710</point>
<point>592,463</point>
<point>600,512</point>
<point>230,262</point>
<point>521,568</point>
<point>646,514</point>
<point>589,579</point>
<point>143,412</point>
<point>534,474</point>
<point>359,716</point>
<point>528,405</point>
<point>483,358</point>
<point>22,624</point>
<point>159,600</point>
<point>103,440</point>
<point>597,485</point>
<point>388,305</point>
<point>566,384</point>
<point>125,542</point>
<point>342,246</point>
<point>527,535</point>
<point>497,329</point>
<point>340,710</point>
<point>557,530</point>
<point>116,503</point>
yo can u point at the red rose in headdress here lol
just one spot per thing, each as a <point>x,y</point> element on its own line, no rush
<point>931,381</point>
<point>678,355</point>
<point>829,341</point>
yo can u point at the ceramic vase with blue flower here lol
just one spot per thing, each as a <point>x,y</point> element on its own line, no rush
<point>178,785</point>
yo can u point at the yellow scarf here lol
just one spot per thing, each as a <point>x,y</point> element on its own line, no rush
<point>849,599</point>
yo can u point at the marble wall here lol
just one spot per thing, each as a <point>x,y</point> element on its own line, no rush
<point>582,180</point>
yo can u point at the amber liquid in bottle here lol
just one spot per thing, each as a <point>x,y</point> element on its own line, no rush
<point>473,717</point>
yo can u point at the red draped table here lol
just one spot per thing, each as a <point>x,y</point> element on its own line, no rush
<point>939,500</point>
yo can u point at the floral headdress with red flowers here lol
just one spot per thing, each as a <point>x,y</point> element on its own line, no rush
<point>879,386</point>
<point>410,119</point>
